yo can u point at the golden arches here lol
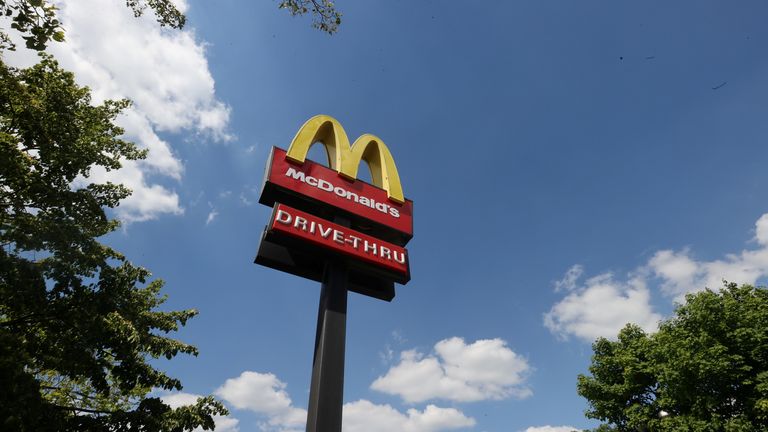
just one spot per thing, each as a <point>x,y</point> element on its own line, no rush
<point>345,159</point>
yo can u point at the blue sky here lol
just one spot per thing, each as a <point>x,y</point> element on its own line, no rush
<point>573,166</point>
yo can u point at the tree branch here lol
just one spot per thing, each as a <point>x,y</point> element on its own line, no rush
<point>91,411</point>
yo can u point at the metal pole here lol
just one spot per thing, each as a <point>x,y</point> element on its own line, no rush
<point>326,392</point>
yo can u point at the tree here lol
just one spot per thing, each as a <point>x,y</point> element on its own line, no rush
<point>325,15</point>
<point>36,19</point>
<point>706,369</point>
<point>78,321</point>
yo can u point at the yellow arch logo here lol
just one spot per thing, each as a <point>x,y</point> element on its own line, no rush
<point>345,158</point>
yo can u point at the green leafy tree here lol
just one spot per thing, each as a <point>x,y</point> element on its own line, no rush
<point>36,19</point>
<point>706,369</point>
<point>325,15</point>
<point>37,22</point>
<point>78,322</point>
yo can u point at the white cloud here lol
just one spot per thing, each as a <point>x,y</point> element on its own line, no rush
<point>761,230</point>
<point>601,308</point>
<point>181,5</point>
<point>223,423</point>
<point>485,369</point>
<point>263,393</point>
<point>146,202</point>
<point>681,274</point>
<point>552,429</point>
<point>164,72</point>
<point>603,305</point>
<point>365,416</point>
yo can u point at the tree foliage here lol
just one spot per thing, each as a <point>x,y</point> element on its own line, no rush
<point>706,369</point>
<point>78,322</point>
<point>325,15</point>
<point>36,20</point>
<point>37,23</point>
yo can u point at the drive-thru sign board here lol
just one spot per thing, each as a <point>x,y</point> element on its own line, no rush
<point>327,236</point>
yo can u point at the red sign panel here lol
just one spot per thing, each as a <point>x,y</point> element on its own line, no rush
<point>326,185</point>
<point>320,232</point>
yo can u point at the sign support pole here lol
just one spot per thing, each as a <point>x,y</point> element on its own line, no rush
<point>326,392</point>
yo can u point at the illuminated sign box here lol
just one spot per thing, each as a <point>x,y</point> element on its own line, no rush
<point>296,229</point>
<point>310,265</point>
<point>319,190</point>
<point>335,238</point>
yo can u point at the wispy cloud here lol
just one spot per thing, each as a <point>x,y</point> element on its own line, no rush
<point>568,282</point>
<point>245,200</point>
<point>211,216</point>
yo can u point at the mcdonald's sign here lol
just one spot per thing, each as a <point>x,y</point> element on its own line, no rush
<point>325,214</point>
<point>331,227</point>
<point>379,209</point>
